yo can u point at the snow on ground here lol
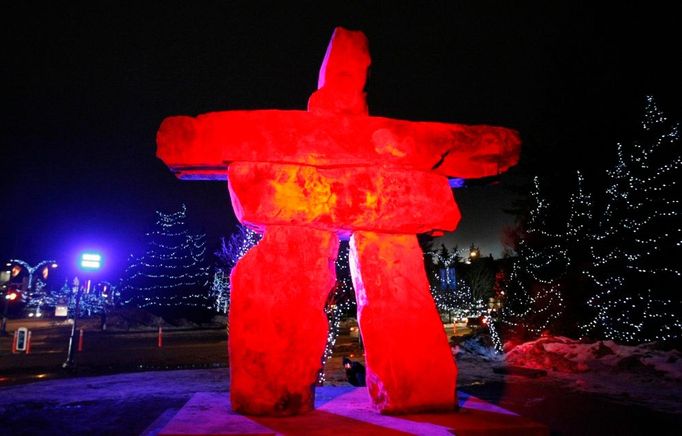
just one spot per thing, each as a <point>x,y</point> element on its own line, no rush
<point>567,355</point>
<point>642,374</point>
<point>607,387</point>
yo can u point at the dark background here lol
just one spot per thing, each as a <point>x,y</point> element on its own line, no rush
<point>86,85</point>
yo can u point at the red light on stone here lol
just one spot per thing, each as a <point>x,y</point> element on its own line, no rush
<point>305,176</point>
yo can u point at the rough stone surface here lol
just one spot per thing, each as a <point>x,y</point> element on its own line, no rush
<point>342,199</point>
<point>207,143</point>
<point>278,328</point>
<point>341,85</point>
<point>334,168</point>
<point>395,311</point>
<point>335,131</point>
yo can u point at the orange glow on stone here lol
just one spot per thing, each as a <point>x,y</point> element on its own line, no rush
<point>342,199</point>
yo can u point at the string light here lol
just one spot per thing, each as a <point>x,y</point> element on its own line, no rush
<point>638,242</point>
<point>172,273</point>
<point>628,256</point>
<point>231,250</point>
<point>340,303</point>
<point>533,294</point>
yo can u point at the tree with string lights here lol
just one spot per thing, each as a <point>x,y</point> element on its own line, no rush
<point>636,249</point>
<point>533,289</point>
<point>442,275</point>
<point>231,250</point>
<point>171,277</point>
<point>340,303</point>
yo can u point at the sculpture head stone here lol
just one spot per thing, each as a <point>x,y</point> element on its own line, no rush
<point>343,74</point>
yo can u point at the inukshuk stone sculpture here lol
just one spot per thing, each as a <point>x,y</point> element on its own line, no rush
<point>305,177</point>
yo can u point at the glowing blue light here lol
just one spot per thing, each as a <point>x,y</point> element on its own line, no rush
<point>456,182</point>
<point>91,261</point>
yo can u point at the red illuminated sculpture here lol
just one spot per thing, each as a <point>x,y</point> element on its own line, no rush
<point>305,177</point>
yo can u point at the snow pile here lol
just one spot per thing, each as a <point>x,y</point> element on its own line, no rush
<point>479,345</point>
<point>570,356</point>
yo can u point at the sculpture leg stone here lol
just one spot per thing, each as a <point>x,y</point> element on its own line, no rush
<point>278,329</point>
<point>410,367</point>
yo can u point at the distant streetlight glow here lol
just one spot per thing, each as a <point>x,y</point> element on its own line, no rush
<point>91,261</point>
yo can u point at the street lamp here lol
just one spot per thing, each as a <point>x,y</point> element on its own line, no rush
<point>89,262</point>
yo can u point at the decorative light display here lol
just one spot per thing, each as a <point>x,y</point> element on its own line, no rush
<point>220,291</point>
<point>172,273</point>
<point>446,261</point>
<point>579,225</point>
<point>630,256</point>
<point>231,250</point>
<point>340,303</point>
<point>489,321</point>
<point>533,293</point>
<point>452,294</point>
<point>37,295</point>
<point>443,282</point>
<point>532,306</point>
<point>42,266</point>
<point>636,250</point>
<point>236,246</point>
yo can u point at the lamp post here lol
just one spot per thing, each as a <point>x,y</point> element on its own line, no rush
<point>88,262</point>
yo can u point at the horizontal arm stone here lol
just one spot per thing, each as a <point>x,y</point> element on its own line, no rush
<point>342,199</point>
<point>202,147</point>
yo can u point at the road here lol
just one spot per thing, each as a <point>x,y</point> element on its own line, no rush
<point>119,351</point>
<point>109,351</point>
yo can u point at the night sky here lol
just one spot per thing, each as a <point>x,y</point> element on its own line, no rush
<point>85,87</point>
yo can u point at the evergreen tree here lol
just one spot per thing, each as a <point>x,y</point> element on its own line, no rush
<point>637,247</point>
<point>534,297</point>
<point>479,274</point>
<point>576,243</point>
<point>340,302</point>
<point>171,278</point>
<point>343,295</point>
<point>442,275</point>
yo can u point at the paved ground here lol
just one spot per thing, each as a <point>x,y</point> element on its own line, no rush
<point>127,404</point>
<point>130,403</point>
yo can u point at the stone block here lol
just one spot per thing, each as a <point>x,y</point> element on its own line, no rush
<point>278,328</point>
<point>410,367</point>
<point>342,199</point>
<point>211,141</point>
